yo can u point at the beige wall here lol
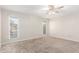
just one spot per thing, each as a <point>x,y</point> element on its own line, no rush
<point>30,26</point>
<point>66,27</point>
<point>0,27</point>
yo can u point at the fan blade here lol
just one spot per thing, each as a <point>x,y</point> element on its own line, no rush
<point>51,7</point>
<point>60,7</point>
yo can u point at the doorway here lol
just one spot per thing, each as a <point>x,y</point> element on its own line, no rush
<point>44,28</point>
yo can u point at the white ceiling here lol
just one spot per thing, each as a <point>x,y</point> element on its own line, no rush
<point>23,8</point>
<point>38,9</point>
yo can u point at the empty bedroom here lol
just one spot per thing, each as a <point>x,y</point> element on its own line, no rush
<point>39,28</point>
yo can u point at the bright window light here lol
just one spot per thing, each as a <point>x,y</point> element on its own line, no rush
<point>13,27</point>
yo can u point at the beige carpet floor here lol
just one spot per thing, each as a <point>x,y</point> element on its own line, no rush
<point>42,45</point>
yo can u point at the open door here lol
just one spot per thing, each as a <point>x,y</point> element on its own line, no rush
<point>44,28</point>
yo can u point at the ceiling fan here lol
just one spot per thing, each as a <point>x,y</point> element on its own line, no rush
<point>53,9</point>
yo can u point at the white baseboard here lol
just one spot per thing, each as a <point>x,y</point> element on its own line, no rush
<point>64,37</point>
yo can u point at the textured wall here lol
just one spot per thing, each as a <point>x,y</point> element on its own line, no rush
<point>30,26</point>
<point>0,27</point>
<point>65,27</point>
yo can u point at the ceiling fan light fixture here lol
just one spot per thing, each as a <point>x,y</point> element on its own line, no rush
<point>54,9</point>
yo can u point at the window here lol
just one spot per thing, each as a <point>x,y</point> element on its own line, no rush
<point>13,27</point>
